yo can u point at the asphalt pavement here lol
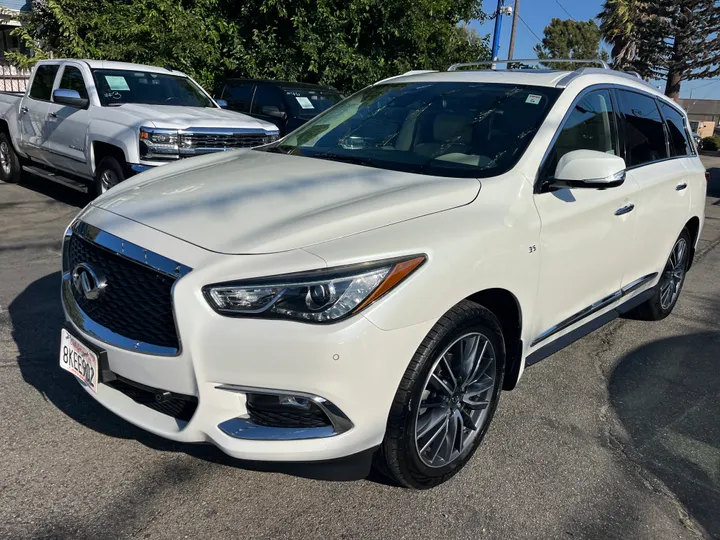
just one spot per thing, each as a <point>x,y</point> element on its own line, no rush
<point>617,436</point>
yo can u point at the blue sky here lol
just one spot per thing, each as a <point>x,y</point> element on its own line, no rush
<point>538,13</point>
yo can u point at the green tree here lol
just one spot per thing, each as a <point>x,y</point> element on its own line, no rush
<point>342,43</point>
<point>570,39</point>
<point>675,40</point>
<point>623,23</point>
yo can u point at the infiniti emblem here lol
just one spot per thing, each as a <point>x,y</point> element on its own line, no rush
<point>88,281</point>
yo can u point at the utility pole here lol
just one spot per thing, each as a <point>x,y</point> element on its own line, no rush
<point>511,50</point>
<point>498,26</point>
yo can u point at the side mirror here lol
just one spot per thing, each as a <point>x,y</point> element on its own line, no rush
<point>272,110</point>
<point>589,169</point>
<point>221,103</point>
<point>71,98</point>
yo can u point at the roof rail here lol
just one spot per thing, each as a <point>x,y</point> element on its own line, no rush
<point>493,63</point>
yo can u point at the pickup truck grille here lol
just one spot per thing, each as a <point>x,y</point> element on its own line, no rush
<point>136,303</point>
<point>221,141</point>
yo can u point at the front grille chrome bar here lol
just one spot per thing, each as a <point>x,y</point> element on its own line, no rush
<point>127,250</point>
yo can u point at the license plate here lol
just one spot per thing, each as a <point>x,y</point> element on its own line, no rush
<point>78,360</point>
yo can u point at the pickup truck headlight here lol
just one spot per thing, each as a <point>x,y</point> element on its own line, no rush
<point>323,296</point>
<point>159,143</point>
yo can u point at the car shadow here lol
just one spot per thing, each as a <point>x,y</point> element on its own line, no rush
<point>37,317</point>
<point>54,190</point>
<point>666,396</point>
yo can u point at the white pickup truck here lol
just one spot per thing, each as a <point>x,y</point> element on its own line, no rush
<point>90,124</point>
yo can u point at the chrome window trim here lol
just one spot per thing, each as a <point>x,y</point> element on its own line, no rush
<point>243,428</point>
<point>134,253</point>
<point>584,92</point>
<point>594,308</point>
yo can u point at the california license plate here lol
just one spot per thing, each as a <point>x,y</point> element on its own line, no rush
<point>78,360</point>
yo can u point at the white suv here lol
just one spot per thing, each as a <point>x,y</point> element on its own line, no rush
<point>376,278</point>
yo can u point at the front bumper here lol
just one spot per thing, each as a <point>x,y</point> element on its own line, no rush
<point>351,368</point>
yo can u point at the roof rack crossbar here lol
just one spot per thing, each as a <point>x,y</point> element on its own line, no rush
<point>492,63</point>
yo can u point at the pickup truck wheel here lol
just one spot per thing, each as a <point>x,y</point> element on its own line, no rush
<point>446,399</point>
<point>9,162</point>
<point>109,174</point>
<point>672,278</point>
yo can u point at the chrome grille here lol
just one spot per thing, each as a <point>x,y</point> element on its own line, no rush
<point>221,141</point>
<point>135,310</point>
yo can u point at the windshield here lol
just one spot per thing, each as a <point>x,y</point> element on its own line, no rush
<point>309,102</point>
<point>117,86</point>
<point>444,128</point>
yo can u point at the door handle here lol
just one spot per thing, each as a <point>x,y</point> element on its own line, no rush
<point>680,187</point>
<point>23,110</point>
<point>625,210</point>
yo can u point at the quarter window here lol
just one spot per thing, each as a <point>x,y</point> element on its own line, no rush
<point>72,79</point>
<point>592,125</point>
<point>644,131</point>
<point>43,82</point>
<point>679,143</point>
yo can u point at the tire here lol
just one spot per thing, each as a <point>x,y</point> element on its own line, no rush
<point>108,174</point>
<point>408,459</point>
<point>673,274</point>
<point>10,170</point>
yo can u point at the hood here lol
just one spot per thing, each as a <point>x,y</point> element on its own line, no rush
<point>169,116</point>
<point>246,201</point>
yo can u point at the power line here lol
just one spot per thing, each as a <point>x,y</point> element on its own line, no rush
<point>528,27</point>
<point>565,10</point>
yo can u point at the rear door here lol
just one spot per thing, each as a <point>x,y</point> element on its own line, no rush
<point>656,165</point>
<point>33,111</point>
<point>67,127</point>
<point>586,235</point>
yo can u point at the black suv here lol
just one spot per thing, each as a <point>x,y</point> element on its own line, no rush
<point>288,105</point>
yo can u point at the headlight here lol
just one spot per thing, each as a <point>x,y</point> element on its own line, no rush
<point>323,296</point>
<point>159,143</point>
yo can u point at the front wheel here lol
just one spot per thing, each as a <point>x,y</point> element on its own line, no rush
<point>446,400</point>
<point>109,173</point>
<point>667,291</point>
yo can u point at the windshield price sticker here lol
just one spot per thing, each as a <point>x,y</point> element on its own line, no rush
<point>304,102</point>
<point>117,82</point>
<point>533,99</point>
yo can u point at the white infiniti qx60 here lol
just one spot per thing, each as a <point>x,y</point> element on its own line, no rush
<point>374,280</point>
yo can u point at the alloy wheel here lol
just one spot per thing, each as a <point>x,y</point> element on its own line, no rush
<point>5,159</point>
<point>108,179</point>
<point>673,274</point>
<point>455,400</point>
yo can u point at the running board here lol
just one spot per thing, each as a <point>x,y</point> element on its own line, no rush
<point>53,177</point>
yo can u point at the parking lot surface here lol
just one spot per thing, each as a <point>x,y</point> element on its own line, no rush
<point>615,437</point>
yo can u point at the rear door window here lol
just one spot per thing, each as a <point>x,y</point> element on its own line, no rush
<point>680,144</point>
<point>645,139</point>
<point>43,82</point>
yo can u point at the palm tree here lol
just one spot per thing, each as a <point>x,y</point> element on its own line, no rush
<point>622,25</point>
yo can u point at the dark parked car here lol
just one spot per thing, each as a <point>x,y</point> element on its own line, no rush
<point>288,105</point>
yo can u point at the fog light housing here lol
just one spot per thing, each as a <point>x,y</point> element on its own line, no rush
<point>285,411</point>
